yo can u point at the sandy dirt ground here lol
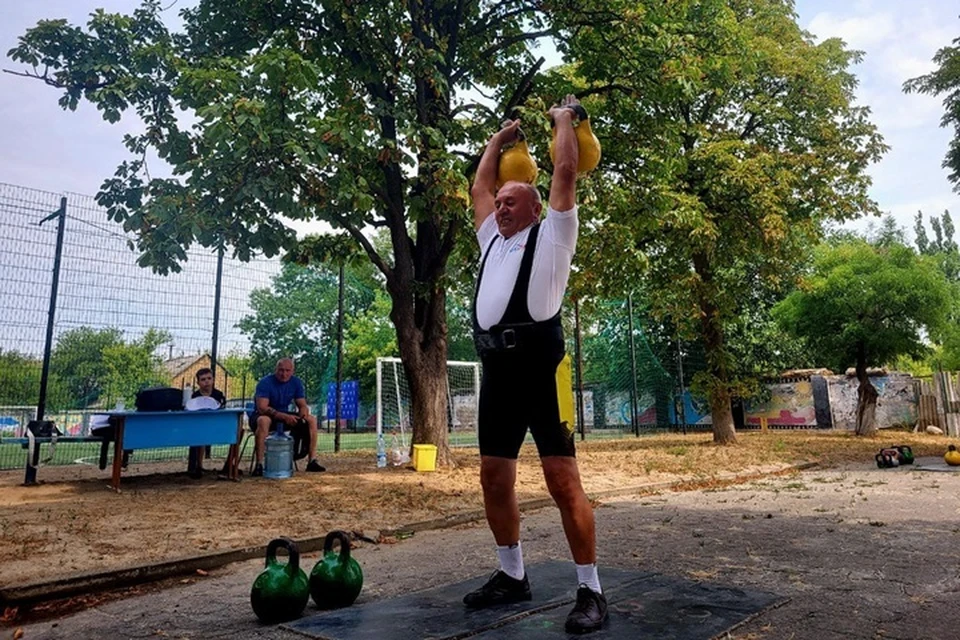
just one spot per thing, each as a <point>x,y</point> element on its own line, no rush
<point>74,524</point>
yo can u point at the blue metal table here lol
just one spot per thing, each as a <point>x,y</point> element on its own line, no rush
<point>154,429</point>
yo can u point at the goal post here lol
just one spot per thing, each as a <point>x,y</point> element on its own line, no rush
<point>463,401</point>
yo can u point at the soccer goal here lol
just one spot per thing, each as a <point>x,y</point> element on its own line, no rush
<point>463,398</point>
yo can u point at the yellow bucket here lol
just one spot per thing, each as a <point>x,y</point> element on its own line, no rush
<point>425,457</point>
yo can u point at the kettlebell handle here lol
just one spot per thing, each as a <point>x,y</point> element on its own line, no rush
<point>341,537</point>
<point>577,109</point>
<point>293,563</point>
<point>520,135</point>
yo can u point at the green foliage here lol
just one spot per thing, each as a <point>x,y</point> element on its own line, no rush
<point>369,336</point>
<point>943,251</point>
<point>94,366</point>
<point>866,306</point>
<point>296,317</point>
<point>729,139</point>
<point>888,233</point>
<point>243,380</point>
<point>19,379</point>
<point>945,81</point>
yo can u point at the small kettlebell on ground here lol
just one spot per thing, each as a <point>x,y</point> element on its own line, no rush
<point>906,454</point>
<point>336,580</point>
<point>888,458</point>
<point>589,146</point>
<point>281,591</point>
<point>516,163</point>
<point>952,456</point>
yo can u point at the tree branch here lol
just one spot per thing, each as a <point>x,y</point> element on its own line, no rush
<point>607,88</point>
<point>512,40</point>
<point>55,83</point>
<point>370,250</point>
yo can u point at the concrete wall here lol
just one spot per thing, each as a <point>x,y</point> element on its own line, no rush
<point>896,405</point>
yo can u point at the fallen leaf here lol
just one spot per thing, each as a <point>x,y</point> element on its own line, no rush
<point>18,633</point>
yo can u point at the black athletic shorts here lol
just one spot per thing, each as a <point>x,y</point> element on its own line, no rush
<point>519,391</point>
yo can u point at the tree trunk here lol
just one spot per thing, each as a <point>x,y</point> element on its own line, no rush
<point>721,413</point>
<point>421,324</point>
<point>866,402</point>
<point>724,431</point>
<point>426,371</point>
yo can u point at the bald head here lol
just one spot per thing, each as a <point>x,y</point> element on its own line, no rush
<point>284,369</point>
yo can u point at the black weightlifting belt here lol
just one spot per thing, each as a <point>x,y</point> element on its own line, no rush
<point>521,336</point>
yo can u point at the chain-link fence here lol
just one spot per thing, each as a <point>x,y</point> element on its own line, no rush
<point>116,327</point>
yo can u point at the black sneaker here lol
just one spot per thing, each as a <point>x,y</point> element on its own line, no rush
<point>315,467</point>
<point>499,589</point>
<point>589,612</point>
<point>257,470</point>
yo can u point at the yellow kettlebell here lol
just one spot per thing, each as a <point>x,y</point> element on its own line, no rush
<point>589,156</point>
<point>516,163</point>
<point>952,456</point>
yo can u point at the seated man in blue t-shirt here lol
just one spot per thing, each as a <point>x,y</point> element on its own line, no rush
<point>274,396</point>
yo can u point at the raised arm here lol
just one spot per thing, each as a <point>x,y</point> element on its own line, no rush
<point>566,154</point>
<point>484,188</point>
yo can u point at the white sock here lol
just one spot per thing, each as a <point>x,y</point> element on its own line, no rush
<point>587,575</point>
<point>511,560</point>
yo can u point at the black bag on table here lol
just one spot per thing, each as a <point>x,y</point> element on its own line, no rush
<point>160,399</point>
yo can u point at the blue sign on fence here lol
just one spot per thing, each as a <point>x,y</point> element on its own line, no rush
<point>349,400</point>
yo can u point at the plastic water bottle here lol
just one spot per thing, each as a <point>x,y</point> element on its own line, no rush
<point>396,455</point>
<point>278,455</point>
<point>187,393</point>
<point>381,452</point>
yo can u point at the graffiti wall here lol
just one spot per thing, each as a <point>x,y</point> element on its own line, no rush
<point>790,404</point>
<point>794,403</point>
<point>828,401</point>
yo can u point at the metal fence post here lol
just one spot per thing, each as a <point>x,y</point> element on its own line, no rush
<point>30,474</point>
<point>216,313</point>
<point>61,214</point>
<point>634,397</point>
<point>336,427</point>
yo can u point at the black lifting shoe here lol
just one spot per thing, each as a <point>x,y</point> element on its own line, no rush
<point>499,589</point>
<point>589,613</point>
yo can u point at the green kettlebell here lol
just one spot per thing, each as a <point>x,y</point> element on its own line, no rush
<point>906,454</point>
<point>337,579</point>
<point>281,591</point>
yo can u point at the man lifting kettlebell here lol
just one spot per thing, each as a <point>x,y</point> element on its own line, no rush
<point>524,268</point>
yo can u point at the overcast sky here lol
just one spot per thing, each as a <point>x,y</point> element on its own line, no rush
<point>46,148</point>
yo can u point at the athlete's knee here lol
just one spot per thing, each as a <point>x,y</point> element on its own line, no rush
<point>497,479</point>
<point>563,482</point>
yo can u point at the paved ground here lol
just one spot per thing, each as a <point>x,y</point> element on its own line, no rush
<point>861,553</point>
